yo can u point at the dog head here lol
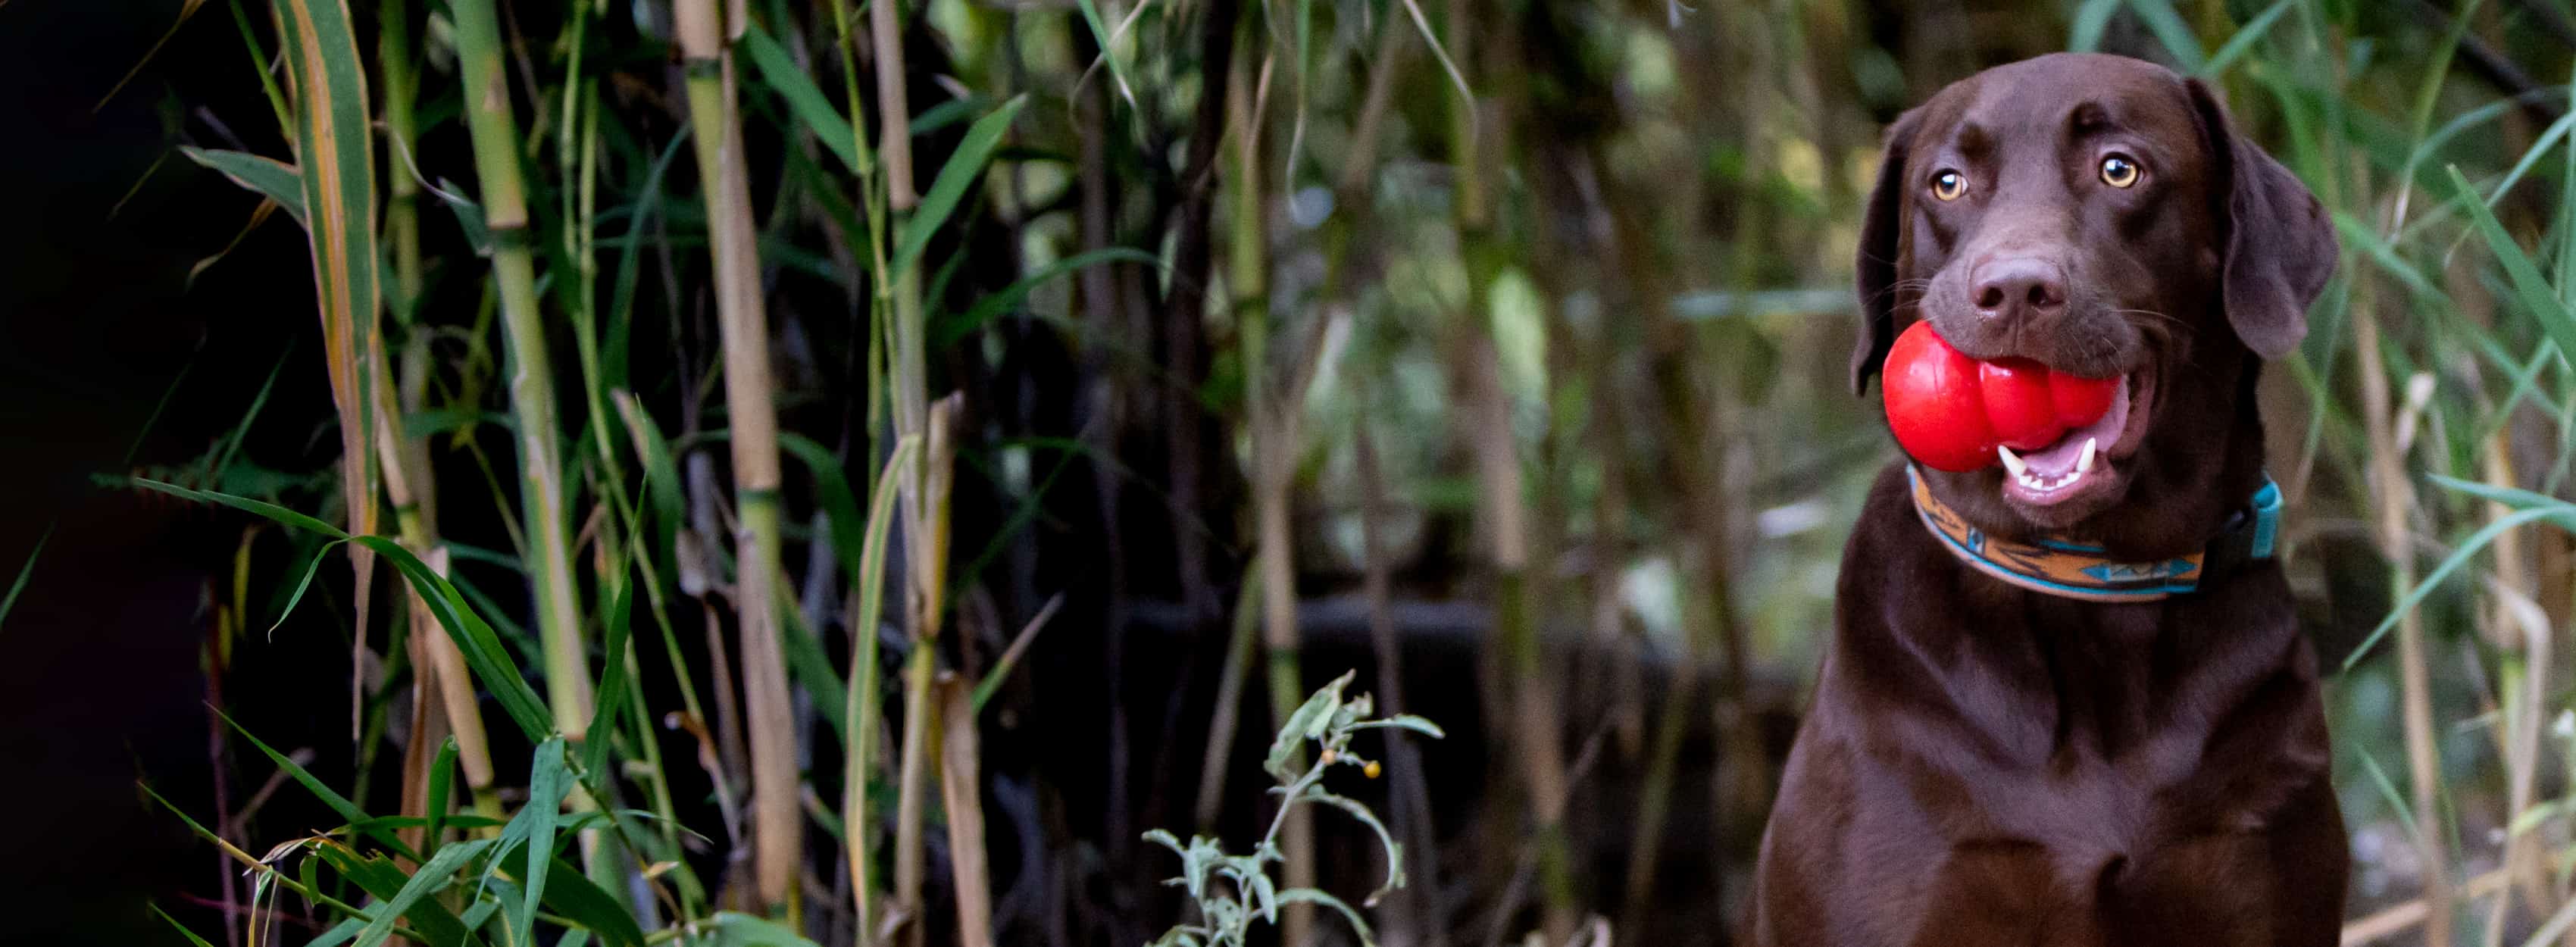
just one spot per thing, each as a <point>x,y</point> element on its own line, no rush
<point>2101,216</point>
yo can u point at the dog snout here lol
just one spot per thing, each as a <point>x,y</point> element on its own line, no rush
<point>2017,287</point>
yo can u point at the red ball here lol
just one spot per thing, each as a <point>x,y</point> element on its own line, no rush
<point>2079,400</point>
<point>1933,405</point>
<point>2016,393</point>
<point>1949,411</point>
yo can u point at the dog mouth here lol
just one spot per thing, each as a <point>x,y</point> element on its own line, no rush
<point>2087,461</point>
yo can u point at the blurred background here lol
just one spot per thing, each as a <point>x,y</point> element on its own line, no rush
<point>910,450</point>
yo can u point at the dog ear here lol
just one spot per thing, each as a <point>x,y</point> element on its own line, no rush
<point>2280,244</point>
<point>1882,230</point>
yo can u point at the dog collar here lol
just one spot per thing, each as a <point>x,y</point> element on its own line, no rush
<point>2081,571</point>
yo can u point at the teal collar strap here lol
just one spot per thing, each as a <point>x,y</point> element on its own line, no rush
<point>2069,569</point>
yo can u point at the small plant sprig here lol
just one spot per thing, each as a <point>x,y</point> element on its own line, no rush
<point>1233,891</point>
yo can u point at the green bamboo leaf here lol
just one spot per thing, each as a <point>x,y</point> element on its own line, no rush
<point>378,876</point>
<point>963,170</point>
<point>335,148</point>
<point>348,811</point>
<point>832,493</point>
<point>948,331</point>
<point>612,687</point>
<point>805,100</point>
<point>572,896</point>
<point>340,933</point>
<point>2243,41</point>
<point>442,781</point>
<point>736,929</point>
<point>2534,290</point>
<point>483,652</point>
<point>267,177</point>
<point>2172,32</point>
<point>533,831</point>
<point>2091,20</point>
<point>182,928</point>
<point>2563,514</point>
<point>1101,36</point>
<point>431,877</point>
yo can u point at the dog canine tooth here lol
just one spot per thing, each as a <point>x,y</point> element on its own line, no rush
<point>2013,462</point>
<point>2084,462</point>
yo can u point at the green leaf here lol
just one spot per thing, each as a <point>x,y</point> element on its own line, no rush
<point>340,933</point>
<point>482,648</point>
<point>431,877</point>
<point>964,168</point>
<point>281,515</point>
<point>377,875</point>
<point>2563,514</point>
<point>442,781</point>
<point>2090,20</point>
<point>348,811</point>
<point>949,330</point>
<point>1101,37</point>
<point>1404,722</point>
<point>1359,925</point>
<point>1386,839</point>
<point>2534,290</point>
<point>533,831</point>
<point>2243,41</point>
<point>2170,30</point>
<point>183,929</point>
<point>1295,732</point>
<point>267,177</point>
<point>805,99</point>
<point>736,929</point>
<point>612,686</point>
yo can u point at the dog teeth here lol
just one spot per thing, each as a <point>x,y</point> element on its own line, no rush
<point>2084,461</point>
<point>2013,462</point>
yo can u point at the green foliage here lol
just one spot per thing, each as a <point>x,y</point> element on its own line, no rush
<point>1231,891</point>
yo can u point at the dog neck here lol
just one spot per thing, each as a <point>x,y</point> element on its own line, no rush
<point>2059,566</point>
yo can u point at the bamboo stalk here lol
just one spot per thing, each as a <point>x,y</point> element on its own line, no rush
<point>2396,499</point>
<point>409,481</point>
<point>532,397</point>
<point>1273,422</point>
<point>1504,515</point>
<point>962,791</point>
<point>927,549</point>
<point>778,825</point>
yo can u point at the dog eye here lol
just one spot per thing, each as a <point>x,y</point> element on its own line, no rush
<point>2119,171</point>
<point>1948,185</point>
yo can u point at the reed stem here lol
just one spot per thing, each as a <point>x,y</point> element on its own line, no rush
<point>778,822</point>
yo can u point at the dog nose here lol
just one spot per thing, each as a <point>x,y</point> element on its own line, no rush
<point>2018,286</point>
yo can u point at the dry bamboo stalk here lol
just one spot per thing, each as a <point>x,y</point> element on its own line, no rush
<point>926,551</point>
<point>2526,714</point>
<point>778,823</point>
<point>894,109</point>
<point>2403,917</point>
<point>2396,496</point>
<point>961,789</point>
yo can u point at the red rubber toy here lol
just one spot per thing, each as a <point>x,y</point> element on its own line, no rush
<point>1949,411</point>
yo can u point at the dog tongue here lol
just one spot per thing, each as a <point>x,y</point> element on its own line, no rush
<point>2058,459</point>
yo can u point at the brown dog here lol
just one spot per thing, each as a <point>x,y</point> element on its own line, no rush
<point>2067,700</point>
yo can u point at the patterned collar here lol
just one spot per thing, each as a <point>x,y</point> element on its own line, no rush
<point>2080,571</point>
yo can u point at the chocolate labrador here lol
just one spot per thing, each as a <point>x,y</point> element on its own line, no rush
<point>2067,700</point>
